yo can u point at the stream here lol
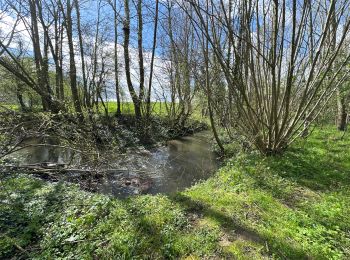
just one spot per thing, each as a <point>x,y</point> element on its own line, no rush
<point>164,169</point>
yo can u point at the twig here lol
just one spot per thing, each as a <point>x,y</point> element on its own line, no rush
<point>42,169</point>
<point>44,145</point>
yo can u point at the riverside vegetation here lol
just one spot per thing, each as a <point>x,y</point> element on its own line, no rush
<point>293,207</point>
<point>102,107</point>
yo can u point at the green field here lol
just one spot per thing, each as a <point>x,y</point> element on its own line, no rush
<point>291,207</point>
<point>157,108</point>
<point>128,107</point>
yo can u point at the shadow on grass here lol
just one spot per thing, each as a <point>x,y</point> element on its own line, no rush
<point>318,168</point>
<point>230,225</point>
<point>313,170</point>
<point>21,221</point>
<point>320,164</point>
<point>25,227</point>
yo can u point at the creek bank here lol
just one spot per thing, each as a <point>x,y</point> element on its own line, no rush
<point>291,207</point>
<point>97,133</point>
<point>161,169</point>
<point>106,154</point>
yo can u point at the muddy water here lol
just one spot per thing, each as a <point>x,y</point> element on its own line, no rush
<point>166,169</point>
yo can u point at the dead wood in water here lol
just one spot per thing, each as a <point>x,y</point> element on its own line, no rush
<point>61,168</point>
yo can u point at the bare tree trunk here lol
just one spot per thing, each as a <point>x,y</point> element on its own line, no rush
<point>126,29</point>
<point>86,99</point>
<point>116,65</point>
<point>60,64</point>
<point>100,86</point>
<point>19,89</point>
<point>36,49</point>
<point>94,59</point>
<point>173,70</point>
<point>72,66</point>
<point>140,50</point>
<point>341,100</point>
<point>58,55</point>
<point>342,113</point>
<point>152,59</point>
<point>40,62</point>
<point>283,80</point>
<point>208,87</point>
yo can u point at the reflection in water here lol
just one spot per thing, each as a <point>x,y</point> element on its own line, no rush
<point>189,159</point>
<point>167,169</point>
<point>44,154</point>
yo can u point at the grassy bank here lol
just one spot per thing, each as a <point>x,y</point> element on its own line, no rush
<point>291,207</point>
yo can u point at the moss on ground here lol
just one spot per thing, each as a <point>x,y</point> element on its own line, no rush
<point>291,207</point>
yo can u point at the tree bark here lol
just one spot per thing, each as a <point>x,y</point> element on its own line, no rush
<point>126,29</point>
<point>342,113</point>
<point>207,84</point>
<point>116,64</point>
<point>148,108</point>
<point>140,50</point>
<point>72,66</point>
<point>86,100</point>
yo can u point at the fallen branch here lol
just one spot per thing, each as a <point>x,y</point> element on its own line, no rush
<point>37,168</point>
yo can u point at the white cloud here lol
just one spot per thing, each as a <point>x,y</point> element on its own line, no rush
<point>8,22</point>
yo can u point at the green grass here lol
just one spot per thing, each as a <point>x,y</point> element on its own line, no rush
<point>291,207</point>
<point>157,108</point>
<point>11,106</point>
<point>127,108</point>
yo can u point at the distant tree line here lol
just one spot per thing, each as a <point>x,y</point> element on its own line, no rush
<point>264,69</point>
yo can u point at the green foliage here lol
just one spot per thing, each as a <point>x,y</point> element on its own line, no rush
<point>297,203</point>
<point>291,207</point>
<point>64,222</point>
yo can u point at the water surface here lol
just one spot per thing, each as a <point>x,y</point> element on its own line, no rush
<point>165,169</point>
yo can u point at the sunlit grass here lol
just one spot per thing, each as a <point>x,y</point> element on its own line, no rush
<point>294,206</point>
<point>158,108</point>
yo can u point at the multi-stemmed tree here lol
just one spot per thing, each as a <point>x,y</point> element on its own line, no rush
<point>277,61</point>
